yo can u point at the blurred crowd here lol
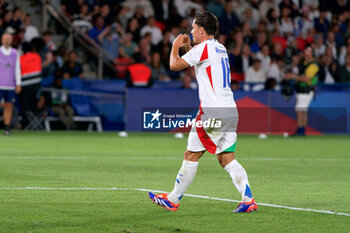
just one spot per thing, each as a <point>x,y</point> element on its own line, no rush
<point>264,38</point>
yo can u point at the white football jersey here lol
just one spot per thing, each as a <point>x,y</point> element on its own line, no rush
<point>212,69</point>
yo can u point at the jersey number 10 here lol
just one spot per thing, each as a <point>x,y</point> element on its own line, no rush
<point>226,72</point>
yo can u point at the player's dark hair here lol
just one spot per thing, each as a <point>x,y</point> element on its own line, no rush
<point>208,21</point>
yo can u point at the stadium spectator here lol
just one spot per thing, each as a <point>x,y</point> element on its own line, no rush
<point>162,9</point>
<point>109,40</point>
<point>255,73</point>
<point>156,33</point>
<point>48,68</point>
<point>303,24</point>
<point>344,70</point>
<point>240,7</point>
<point>290,51</point>
<point>50,44</point>
<point>184,26</point>
<point>174,18</point>
<point>247,33</point>
<point>330,43</point>
<point>272,20</point>
<point>72,68</point>
<point>145,47</point>
<point>321,24</point>
<point>133,27</point>
<point>319,47</point>
<point>158,70</point>
<point>98,27</point>
<point>244,60</point>
<point>338,35</point>
<point>264,57</point>
<point>291,6</point>
<point>70,8</point>
<point>228,19</point>
<point>58,101</point>
<point>10,79</point>
<point>294,66</point>
<point>250,19</point>
<point>128,47</point>
<point>2,28</point>
<point>276,69</point>
<point>18,39</point>
<point>277,50</point>
<point>60,55</point>
<point>30,30</point>
<point>140,16</point>
<point>82,20</point>
<point>261,40</point>
<point>313,4</point>
<point>106,14</point>
<point>185,7</point>
<point>133,5</point>
<point>17,18</point>
<point>3,6</point>
<point>124,16</point>
<point>330,65</point>
<point>343,51</point>
<point>286,27</point>
<point>7,19</point>
<point>216,7</point>
<point>265,6</point>
<point>187,83</point>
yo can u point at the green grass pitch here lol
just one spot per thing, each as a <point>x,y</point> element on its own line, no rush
<point>310,173</point>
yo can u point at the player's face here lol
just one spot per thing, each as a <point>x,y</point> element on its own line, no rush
<point>6,40</point>
<point>196,32</point>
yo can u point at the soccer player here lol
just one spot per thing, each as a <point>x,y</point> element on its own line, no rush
<point>210,62</point>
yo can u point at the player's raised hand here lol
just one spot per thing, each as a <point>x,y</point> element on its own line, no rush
<point>180,41</point>
<point>186,40</point>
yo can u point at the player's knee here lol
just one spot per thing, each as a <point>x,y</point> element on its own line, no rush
<point>192,156</point>
<point>222,163</point>
<point>187,155</point>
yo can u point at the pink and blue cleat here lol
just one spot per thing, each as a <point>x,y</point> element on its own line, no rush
<point>246,207</point>
<point>162,200</point>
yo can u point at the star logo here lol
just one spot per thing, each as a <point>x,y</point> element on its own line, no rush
<point>151,119</point>
<point>156,115</point>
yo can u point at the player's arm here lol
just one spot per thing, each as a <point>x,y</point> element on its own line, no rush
<point>310,72</point>
<point>176,62</point>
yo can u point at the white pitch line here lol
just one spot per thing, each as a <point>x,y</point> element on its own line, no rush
<point>165,158</point>
<point>188,195</point>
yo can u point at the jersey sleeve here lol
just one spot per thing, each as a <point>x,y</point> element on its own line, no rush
<point>311,71</point>
<point>196,55</point>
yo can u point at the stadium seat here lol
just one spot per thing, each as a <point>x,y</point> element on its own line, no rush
<point>47,81</point>
<point>122,67</point>
<point>237,76</point>
<point>280,40</point>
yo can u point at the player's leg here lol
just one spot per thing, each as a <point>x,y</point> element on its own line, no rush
<point>240,180</point>
<point>304,119</point>
<point>238,174</point>
<point>183,180</point>
<point>7,117</point>
<point>185,175</point>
